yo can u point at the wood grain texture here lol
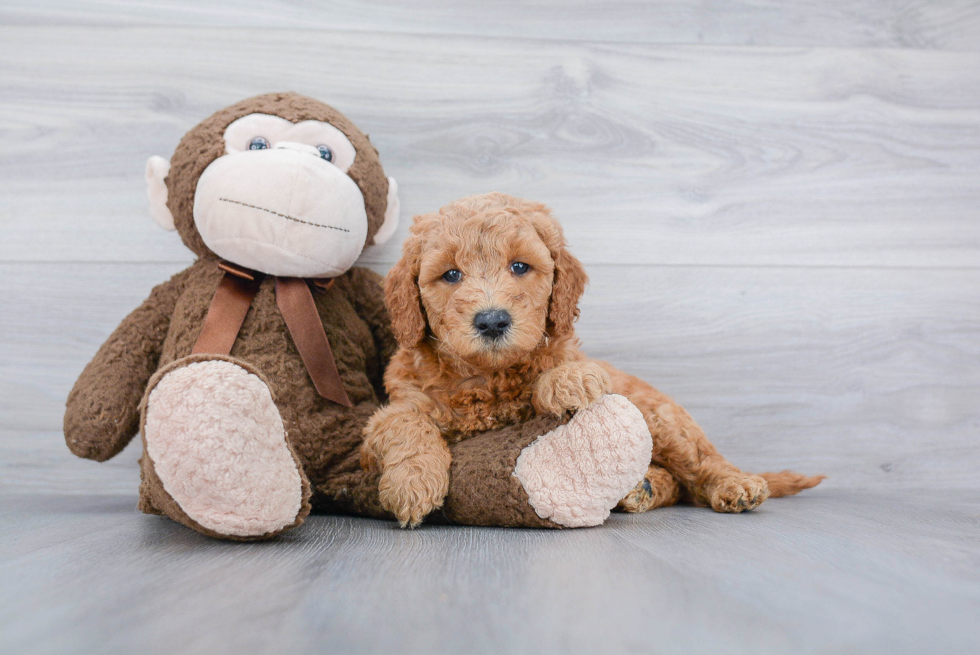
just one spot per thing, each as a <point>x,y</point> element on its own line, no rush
<point>648,154</point>
<point>950,25</point>
<point>827,572</point>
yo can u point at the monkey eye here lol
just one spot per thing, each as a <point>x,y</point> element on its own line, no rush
<point>519,268</point>
<point>325,152</point>
<point>452,276</point>
<point>258,143</point>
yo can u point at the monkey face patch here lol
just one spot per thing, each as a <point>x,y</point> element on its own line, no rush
<point>280,205</point>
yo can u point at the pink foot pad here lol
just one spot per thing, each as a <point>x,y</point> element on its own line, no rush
<point>577,473</point>
<point>218,445</point>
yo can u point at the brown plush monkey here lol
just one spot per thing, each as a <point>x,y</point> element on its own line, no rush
<point>237,416</point>
<point>252,373</point>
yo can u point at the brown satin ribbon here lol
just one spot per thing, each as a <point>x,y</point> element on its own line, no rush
<point>230,304</point>
<point>299,311</point>
<point>226,314</point>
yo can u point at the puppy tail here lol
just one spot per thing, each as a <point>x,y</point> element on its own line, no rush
<point>790,483</point>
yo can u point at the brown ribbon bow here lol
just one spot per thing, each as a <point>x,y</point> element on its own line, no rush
<point>230,304</point>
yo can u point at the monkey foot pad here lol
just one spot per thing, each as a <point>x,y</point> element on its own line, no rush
<point>217,443</point>
<point>575,474</point>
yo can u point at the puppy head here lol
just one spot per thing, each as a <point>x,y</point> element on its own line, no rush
<point>489,277</point>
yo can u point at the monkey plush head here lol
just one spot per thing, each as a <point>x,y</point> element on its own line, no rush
<point>279,183</point>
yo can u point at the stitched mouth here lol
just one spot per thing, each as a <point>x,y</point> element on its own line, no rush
<point>287,217</point>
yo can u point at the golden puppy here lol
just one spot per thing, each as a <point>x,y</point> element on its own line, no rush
<point>482,304</point>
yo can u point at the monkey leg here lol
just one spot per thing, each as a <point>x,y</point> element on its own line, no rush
<point>658,488</point>
<point>482,487</point>
<point>547,473</point>
<point>215,455</point>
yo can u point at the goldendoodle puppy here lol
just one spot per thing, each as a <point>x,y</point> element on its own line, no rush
<point>482,303</point>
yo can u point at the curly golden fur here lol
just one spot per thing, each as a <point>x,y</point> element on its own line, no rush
<point>448,382</point>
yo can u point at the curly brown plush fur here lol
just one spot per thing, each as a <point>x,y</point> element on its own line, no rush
<point>447,382</point>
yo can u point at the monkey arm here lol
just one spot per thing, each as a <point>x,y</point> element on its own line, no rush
<point>102,413</point>
<point>367,296</point>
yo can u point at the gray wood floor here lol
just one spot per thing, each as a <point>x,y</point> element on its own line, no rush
<point>779,206</point>
<point>832,572</point>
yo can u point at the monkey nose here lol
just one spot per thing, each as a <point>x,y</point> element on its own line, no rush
<point>299,147</point>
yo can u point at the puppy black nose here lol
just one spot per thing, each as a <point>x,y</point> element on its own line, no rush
<point>492,324</point>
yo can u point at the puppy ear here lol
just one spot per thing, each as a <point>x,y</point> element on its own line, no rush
<point>403,300</point>
<point>567,288</point>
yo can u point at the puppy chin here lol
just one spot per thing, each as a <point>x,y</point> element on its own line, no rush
<point>484,354</point>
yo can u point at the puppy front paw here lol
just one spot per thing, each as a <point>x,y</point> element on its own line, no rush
<point>414,487</point>
<point>571,386</point>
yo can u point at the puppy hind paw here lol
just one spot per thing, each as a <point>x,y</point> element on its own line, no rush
<point>738,494</point>
<point>658,488</point>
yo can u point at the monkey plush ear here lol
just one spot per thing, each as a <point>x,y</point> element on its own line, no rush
<point>156,188</point>
<point>391,214</point>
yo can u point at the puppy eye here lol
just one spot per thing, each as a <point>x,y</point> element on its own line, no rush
<point>258,143</point>
<point>452,276</point>
<point>519,268</point>
<point>325,152</point>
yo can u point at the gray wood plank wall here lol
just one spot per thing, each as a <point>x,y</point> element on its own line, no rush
<point>777,202</point>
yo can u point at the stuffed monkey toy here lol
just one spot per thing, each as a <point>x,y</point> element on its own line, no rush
<point>252,373</point>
